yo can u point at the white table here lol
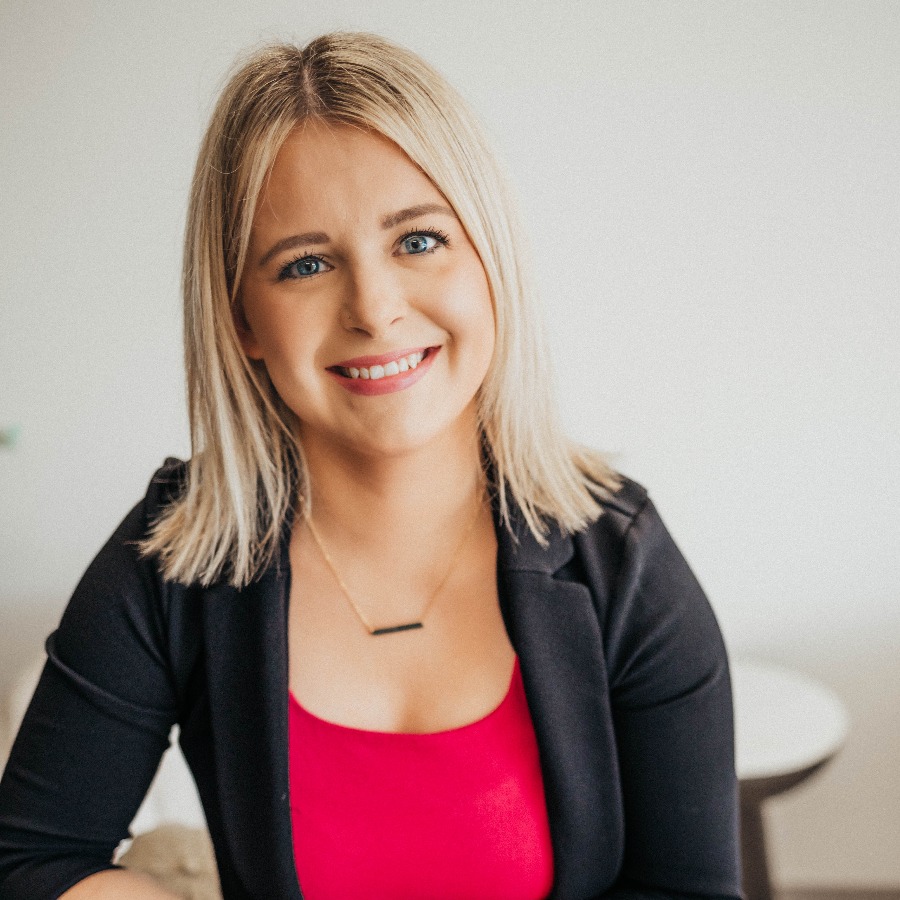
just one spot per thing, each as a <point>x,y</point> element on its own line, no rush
<point>787,726</point>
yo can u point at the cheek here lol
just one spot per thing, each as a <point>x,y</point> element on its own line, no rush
<point>481,317</point>
<point>485,336</point>
<point>279,331</point>
<point>468,302</point>
<point>470,323</point>
<point>287,349</point>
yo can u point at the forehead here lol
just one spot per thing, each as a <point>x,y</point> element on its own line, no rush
<point>334,173</point>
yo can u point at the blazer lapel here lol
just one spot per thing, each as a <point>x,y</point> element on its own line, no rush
<point>554,628</point>
<point>247,666</point>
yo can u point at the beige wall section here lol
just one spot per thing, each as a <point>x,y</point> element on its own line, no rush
<point>711,194</point>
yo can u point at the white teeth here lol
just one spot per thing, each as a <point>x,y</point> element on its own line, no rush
<point>395,367</point>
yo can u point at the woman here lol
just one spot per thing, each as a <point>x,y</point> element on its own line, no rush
<point>418,645</point>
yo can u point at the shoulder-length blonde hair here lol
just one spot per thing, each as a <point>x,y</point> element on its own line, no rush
<point>247,470</point>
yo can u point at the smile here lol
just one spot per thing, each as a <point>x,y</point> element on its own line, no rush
<point>395,367</point>
<point>385,376</point>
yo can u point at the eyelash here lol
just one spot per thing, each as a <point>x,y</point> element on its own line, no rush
<point>440,236</point>
<point>283,272</point>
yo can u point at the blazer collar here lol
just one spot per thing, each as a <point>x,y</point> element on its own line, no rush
<point>554,629</point>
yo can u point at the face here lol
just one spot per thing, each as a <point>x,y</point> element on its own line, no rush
<point>364,297</point>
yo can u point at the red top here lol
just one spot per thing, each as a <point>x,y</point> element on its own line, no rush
<point>451,814</point>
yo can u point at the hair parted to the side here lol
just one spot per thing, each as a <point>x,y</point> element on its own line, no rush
<point>247,469</point>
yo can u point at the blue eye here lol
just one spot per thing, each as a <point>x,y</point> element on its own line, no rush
<point>425,240</point>
<point>305,267</point>
<point>419,243</point>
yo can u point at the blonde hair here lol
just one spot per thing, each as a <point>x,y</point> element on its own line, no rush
<point>247,469</point>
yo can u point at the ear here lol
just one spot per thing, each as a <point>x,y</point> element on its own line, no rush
<point>245,335</point>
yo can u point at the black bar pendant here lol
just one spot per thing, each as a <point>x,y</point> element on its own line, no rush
<point>393,628</point>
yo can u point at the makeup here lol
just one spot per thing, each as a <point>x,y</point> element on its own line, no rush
<point>386,383</point>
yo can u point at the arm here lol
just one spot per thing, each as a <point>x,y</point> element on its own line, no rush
<point>672,711</point>
<point>115,885</point>
<point>94,732</point>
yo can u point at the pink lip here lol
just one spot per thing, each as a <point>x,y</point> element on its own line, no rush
<point>390,383</point>
<point>382,360</point>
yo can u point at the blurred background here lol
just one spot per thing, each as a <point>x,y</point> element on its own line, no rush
<point>711,193</point>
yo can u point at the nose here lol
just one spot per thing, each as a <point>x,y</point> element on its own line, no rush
<point>375,300</point>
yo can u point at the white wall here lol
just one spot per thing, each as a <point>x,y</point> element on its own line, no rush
<point>711,192</point>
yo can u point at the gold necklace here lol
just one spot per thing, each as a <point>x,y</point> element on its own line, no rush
<point>408,626</point>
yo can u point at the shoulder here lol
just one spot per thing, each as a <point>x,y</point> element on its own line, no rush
<point>654,614</point>
<point>119,615</point>
<point>603,542</point>
<point>626,542</point>
<point>121,572</point>
<point>166,485</point>
<point>121,558</point>
<point>622,507</point>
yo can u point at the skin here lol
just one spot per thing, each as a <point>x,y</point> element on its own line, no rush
<point>114,885</point>
<point>388,468</point>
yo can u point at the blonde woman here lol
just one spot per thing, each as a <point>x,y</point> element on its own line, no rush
<point>417,643</point>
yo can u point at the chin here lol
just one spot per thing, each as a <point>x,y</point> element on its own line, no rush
<point>392,441</point>
<point>391,445</point>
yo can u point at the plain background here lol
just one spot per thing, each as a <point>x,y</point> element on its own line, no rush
<point>711,198</point>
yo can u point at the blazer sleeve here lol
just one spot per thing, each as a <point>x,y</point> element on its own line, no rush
<point>95,730</point>
<point>672,711</point>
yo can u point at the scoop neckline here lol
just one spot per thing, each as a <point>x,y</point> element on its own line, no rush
<point>413,734</point>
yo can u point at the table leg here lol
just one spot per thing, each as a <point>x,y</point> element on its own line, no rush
<point>754,792</point>
<point>753,851</point>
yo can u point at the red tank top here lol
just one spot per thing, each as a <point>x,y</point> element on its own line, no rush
<point>393,816</point>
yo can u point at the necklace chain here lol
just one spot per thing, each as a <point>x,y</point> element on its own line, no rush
<point>391,629</point>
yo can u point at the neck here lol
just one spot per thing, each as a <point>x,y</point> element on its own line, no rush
<point>421,493</point>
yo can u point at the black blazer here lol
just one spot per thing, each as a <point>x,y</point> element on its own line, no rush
<point>623,664</point>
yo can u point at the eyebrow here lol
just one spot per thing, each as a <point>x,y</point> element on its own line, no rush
<point>413,212</point>
<point>293,241</point>
<point>391,220</point>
